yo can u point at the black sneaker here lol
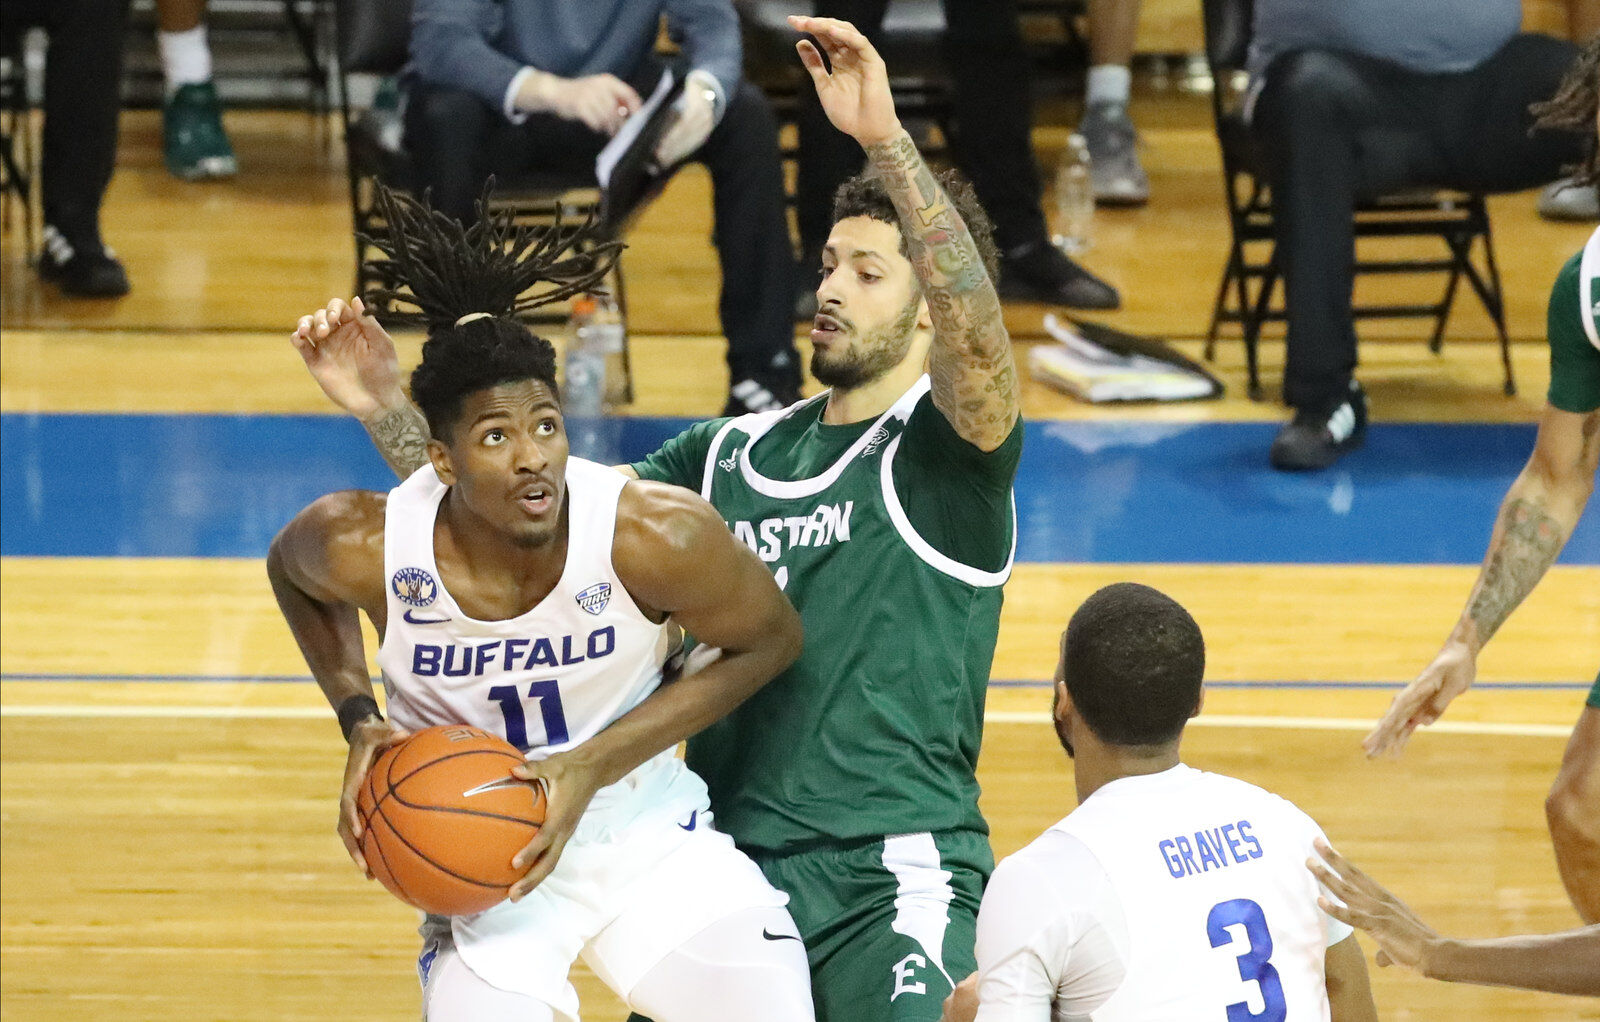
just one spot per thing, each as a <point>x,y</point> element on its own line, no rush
<point>1316,438</point>
<point>82,271</point>
<point>752,395</point>
<point>1039,272</point>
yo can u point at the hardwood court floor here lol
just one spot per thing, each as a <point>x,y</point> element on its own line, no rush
<point>168,845</point>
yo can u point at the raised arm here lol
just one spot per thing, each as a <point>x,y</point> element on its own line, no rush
<point>676,557</point>
<point>1538,515</point>
<point>971,365</point>
<point>353,360</point>
<point>325,566</point>
<point>1560,963</point>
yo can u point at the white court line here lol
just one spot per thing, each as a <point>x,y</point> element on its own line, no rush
<point>1452,727</point>
<point>1449,727</point>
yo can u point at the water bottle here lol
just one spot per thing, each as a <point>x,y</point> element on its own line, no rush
<point>1074,198</point>
<point>608,334</point>
<point>583,392</point>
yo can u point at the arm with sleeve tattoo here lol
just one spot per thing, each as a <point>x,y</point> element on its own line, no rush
<point>974,374</point>
<point>1538,515</point>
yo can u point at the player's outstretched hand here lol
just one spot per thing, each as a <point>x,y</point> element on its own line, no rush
<point>856,94</point>
<point>369,738</point>
<point>1403,939</point>
<point>1424,700</point>
<point>962,1004</point>
<point>351,357</point>
<point>570,781</point>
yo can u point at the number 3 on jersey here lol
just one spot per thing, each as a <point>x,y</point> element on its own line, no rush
<point>549,696</point>
<point>1253,964</point>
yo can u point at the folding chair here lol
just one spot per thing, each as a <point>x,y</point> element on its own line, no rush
<point>1248,288</point>
<point>19,159</point>
<point>372,36</point>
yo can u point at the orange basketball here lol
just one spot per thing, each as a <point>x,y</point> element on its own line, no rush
<point>441,817</point>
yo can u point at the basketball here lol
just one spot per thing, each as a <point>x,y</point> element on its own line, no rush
<point>441,818</point>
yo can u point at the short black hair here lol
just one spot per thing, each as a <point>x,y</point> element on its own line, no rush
<point>865,195</point>
<point>1133,660</point>
<point>469,283</point>
<point>474,356</point>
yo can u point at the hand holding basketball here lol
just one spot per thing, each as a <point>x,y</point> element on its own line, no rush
<point>1424,700</point>
<point>570,780</point>
<point>369,738</point>
<point>351,357</point>
<point>441,819</point>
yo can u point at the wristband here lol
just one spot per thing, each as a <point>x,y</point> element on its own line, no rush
<point>354,710</point>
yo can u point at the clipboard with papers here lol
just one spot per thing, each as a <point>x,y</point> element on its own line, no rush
<point>626,168</point>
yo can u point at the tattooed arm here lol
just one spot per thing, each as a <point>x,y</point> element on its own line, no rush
<point>1540,511</point>
<point>353,360</point>
<point>974,374</point>
<point>401,435</point>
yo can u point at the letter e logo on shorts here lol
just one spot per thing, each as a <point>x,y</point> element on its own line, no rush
<point>904,976</point>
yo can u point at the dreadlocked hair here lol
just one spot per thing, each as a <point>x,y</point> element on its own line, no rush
<point>448,271</point>
<point>1573,108</point>
<point>485,274</point>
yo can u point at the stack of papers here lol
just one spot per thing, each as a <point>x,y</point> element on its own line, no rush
<point>1115,367</point>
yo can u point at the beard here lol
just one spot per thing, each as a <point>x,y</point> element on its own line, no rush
<point>880,350</point>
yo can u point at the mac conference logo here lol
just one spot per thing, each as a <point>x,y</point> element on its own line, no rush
<point>414,586</point>
<point>595,598</point>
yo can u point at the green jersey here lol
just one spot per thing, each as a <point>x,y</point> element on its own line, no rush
<point>1574,340</point>
<point>892,537</point>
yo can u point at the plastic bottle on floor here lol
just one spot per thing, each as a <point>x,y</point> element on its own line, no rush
<point>1074,198</point>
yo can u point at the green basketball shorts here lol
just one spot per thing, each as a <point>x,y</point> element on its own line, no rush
<point>1594,693</point>
<point>888,925</point>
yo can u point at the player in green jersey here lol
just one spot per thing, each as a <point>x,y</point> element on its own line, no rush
<point>884,509</point>
<point>1539,513</point>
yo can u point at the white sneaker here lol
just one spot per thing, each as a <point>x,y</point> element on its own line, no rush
<point>1563,200</point>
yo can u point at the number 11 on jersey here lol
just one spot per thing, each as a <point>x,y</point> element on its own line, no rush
<point>549,696</point>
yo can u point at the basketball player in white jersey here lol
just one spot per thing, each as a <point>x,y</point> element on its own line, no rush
<point>539,596</point>
<point>1169,893</point>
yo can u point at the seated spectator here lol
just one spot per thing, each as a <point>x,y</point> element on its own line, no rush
<point>1365,98</point>
<point>1114,168</point>
<point>505,88</point>
<point>82,79</point>
<point>195,145</point>
<point>993,147</point>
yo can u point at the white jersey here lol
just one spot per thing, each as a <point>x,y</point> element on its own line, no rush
<point>545,680</point>
<point>1178,895</point>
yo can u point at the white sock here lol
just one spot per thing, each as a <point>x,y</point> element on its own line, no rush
<point>185,57</point>
<point>1109,83</point>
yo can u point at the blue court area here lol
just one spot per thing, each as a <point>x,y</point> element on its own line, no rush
<point>92,485</point>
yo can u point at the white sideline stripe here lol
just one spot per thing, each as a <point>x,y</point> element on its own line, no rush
<point>208,712</point>
<point>1451,727</point>
<point>992,717</point>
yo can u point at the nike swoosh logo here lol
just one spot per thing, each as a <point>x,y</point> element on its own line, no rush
<point>769,935</point>
<point>423,620</point>
<point>692,817</point>
<point>495,785</point>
